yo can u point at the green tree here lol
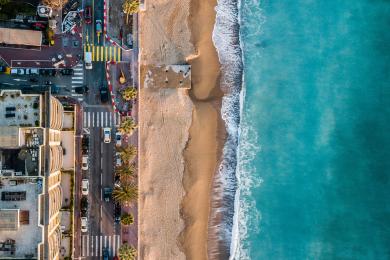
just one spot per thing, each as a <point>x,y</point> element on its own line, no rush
<point>127,219</point>
<point>127,252</point>
<point>127,126</point>
<point>4,2</point>
<point>127,171</point>
<point>130,7</point>
<point>125,193</point>
<point>128,154</point>
<point>129,93</point>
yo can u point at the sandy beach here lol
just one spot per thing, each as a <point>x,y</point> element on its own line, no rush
<point>181,131</point>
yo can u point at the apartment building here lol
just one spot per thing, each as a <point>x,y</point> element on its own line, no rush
<point>31,158</point>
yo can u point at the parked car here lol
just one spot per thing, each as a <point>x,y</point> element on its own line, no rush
<point>88,15</point>
<point>84,206</point>
<point>81,90</point>
<point>32,71</point>
<point>17,71</point>
<point>84,224</point>
<point>117,213</point>
<point>67,72</point>
<point>33,80</point>
<point>107,191</point>
<point>118,160</point>
<point>85,144</point>
<point>84,187</point>
<point>84,162</point>
<point>118,139</point>
<point>117,180</point>
<point>103,94</point>
<point>107,135</point>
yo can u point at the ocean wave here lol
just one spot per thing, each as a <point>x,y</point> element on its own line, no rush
<point>226,41</point>
<point>234,178</point>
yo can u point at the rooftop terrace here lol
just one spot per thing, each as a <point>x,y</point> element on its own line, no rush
<point>21,194</point>
<point>19,110</point>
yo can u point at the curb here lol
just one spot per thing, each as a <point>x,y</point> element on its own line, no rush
<point>111,92</point>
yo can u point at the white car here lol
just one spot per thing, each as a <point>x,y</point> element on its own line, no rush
<point>84,163</point>
<point>17,71</point>
<point>118,160</point>
<point>118,139</point>
<point>84,224</point>
<point>107,135</point>
<point>84,187</point>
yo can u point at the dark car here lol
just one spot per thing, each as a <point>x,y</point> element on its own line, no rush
<point>81,90</point>
<point>33,80</point>
<point>44,72</point>
<point>104,94</point>
<point>3,69</point>
<point>87,15</point>
<point>107,191</point>
<point>67,72</point>
<point>85,144</point>
<point>52,72</point>
<point>106,253</point>
<point>117,213</point>
<point>84,206</point>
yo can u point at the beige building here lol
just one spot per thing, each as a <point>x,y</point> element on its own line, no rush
<point>31,159</point>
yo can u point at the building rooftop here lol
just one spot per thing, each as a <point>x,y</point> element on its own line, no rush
<point>20,233</point>
<point>11,36</point>
<point>19,110</point>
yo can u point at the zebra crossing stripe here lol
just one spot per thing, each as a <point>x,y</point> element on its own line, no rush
<point>101,241</point>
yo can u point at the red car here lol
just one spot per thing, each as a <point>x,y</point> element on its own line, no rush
<point>88,15</point>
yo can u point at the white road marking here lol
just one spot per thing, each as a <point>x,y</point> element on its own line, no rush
<point>87,245</point>
<point>109,242</point>
<point>97,245</point>
<point>78,73</point>
<point>102,115</point>
<point>93,119</point>
<point>118,242</point>
<point>77,78</point>
<point>77,82</point>
<point>113,246</point>
<point>85,118</point>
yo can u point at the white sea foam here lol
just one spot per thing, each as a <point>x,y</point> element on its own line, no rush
<point>235,176</point>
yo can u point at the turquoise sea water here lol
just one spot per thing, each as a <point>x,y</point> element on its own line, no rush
<point>314,147</point>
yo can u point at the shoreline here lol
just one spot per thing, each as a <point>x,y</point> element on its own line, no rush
<point>207,134</point>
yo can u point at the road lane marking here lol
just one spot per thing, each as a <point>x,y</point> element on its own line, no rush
<point>119,54</point>
<point>93,119</point>
<point>114,54</point>
<point>98,120</point>
<point>110,119</point>
<point>118,242</point>
<point>89,119</point>
<point>77,77</point>
<point>113,245</point>
<point>97,246</point>
<point>109,242</point>
<point>77,82</point>
<point>85,118</point>
<point>102,115</point>
<point>87,245</point>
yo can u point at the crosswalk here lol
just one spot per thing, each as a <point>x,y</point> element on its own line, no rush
<point>94,245</point>
<point>104,53</point>
<point>77,80</point>
<point>100,119</point>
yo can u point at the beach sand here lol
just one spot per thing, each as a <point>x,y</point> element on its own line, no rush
<point>181,131</point>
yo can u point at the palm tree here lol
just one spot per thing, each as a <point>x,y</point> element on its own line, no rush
<point>128,172</point>
<point>127,252</point>
<point>127,154</point>
<point>129,93</point>
<point>127,126</point>
<point>127,219</point>
<point>130,7</point>
<point>125,193</point>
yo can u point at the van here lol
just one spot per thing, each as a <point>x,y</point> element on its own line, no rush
<point>88,60</point>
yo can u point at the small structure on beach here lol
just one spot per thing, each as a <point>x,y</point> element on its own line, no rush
<point>168,76</point>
